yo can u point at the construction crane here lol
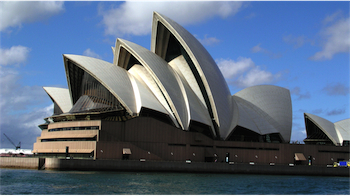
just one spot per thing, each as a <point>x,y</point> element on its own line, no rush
<point>19,144</point>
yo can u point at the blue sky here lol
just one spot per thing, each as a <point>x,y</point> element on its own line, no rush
<point>301,46</point>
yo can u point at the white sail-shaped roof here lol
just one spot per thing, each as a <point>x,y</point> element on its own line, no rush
<point>270,108</point>
<point>115,79</point>
<point>144,97</point>
<point>214,88</point>
<point>343,128</point>
<point>250,117</point>
<point>242,117</point>
<point>142,76</point>
<point>180,65</point>
<point>337,132</point>
<point>197,110</point>
<point>132,93</point>
<point>163,75</point>
<point>61,97</point>
<point>326,126</point>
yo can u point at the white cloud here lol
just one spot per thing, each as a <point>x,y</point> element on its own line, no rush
<point>329,112</point>
<point>296,91</point>
<point>257,49</point>
<point>36,117</point>
<point>333,17</point>
<point>14,13</point>
<point>90,53</point>
<point>14,96</point>
<point>21,108</point>
<point>231,69</point>
<point>7,79</point>
<point>317,111</point>
<point>336,112</point>
<point>297,41</point>
<point>13,55</point>
<point>336,89</point>
<point>256,76</point>
<point>24,127</point>
<point>336,38</point>
<point>244,73</point>
<point>251,15</point>
<point>136,17</point>
<point>208,40</point>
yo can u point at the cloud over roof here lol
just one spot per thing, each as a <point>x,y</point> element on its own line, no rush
<point>118,21</point>
<point>15,13</point>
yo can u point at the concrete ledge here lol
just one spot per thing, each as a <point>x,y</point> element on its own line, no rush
<point>20,162</point>
<point>163,166</point>
<point>194,167</point>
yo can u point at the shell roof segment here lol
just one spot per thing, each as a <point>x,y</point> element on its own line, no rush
<point>325,125</point>
<point>252,117</point>
<point>180,65</point>
<point>273,106</point>
<point>213,85</point>
<point>147,98</point>
<point>140,73</point>
<point>163,75</point>
<point>61,97</point>
<point>343,127</point>
<point>197,110</point>
<point>336,132</point>
<point>115,79</point>
<point>170,88</point>
<point>146,85</point>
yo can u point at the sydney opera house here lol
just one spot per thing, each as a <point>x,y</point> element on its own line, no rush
<point>172,103</point>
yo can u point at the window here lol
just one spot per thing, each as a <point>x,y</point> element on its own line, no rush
<point>75,128</point>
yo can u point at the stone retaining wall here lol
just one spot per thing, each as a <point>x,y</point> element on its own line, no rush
<point>21,162</point>
<point>162,166</point>
<point>195,167</point>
